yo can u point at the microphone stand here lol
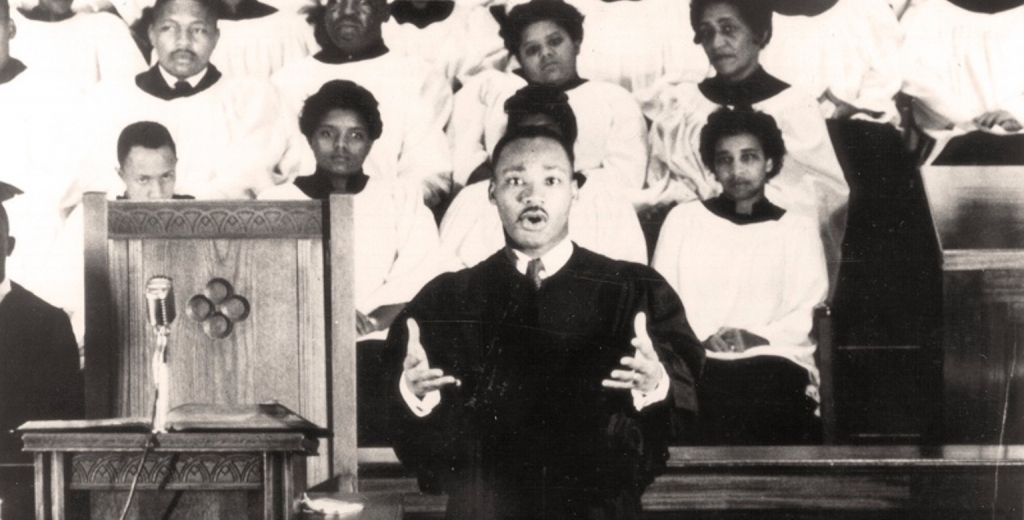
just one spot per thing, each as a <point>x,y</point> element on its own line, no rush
<point>161,380</point>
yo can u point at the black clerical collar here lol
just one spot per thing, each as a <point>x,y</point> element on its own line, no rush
<point>10,70</point>
<point>246,10</point>
<point>803,7</point>
<point>153,83</point>
<point>564,87</point>
<point>404,12</point>
<point>754,89</point>
<point>173,197</point>
<point>335,56</point>
<point>763,211</point>
<point>987,6</point>
<point>41,14</point>
<point>319,186</point>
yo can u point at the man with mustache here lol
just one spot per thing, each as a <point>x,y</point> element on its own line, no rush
<point>415,99</point>
<point>233,136</point>
<point>542,382</point>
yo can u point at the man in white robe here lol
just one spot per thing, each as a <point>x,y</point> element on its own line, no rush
<point>415,100</point>
<point>76,49</point>
<point>233,134</point>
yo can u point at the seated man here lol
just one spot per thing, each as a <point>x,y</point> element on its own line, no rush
<point>750,274</point>
<point>395,238</point>
<point>147,158</point>
<point>542,382</point>
<point>602,220</point>
<point>76,50</point>
<point>233,136</point>
<point>39,373</point>
<point>415,100</point>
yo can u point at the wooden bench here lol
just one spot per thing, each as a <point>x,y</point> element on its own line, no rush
<point>948,482</point>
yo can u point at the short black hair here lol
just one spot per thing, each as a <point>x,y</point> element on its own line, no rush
<point>525,15</point>
<point>539,99</point>
<point>146,134</point>
<point>530,132</point>
<point>212,8</point>
<point>340,94</point>
<point>756,14</point>
<point>727,123</point>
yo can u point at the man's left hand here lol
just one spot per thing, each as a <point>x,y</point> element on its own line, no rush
<point>644,368</point>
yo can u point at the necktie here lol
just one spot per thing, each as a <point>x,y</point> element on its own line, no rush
<point>182,88</point>
<point>533,271</point>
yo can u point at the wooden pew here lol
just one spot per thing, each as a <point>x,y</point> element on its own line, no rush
<point>949,482</point>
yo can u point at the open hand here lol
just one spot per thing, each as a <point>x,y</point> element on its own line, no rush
<point>644,368</point>
<point>420,378</point>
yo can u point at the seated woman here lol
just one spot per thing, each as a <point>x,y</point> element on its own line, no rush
<point>750,274</point>
<point>395,238</point>
<point>961,66</point>
<point>732,33</point>
<point>599,220</point>
<point>545,37</point>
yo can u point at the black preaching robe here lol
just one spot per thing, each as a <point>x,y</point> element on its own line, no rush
<point>531,433</point>
<point>39,379</point>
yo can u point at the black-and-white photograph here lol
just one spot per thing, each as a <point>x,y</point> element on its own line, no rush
<point>511,259</point>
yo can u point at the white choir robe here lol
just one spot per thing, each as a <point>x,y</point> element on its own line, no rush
<point>958,65</point>
<point>811,182</point>
<point>80,51</point>
<point>415,104</point>
<point>459,47</point>
<point>259,47</point>
<point>764,277</point>
<point>32,106</point>
<point>233,140</point>
<point>851,50</point>
<point>601,220</point>
<point>611,146</point>
<point>395,242</point>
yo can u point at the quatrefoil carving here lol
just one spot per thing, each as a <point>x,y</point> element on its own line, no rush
<point>218,308</point>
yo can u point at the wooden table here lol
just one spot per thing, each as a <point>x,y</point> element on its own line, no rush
<point>237,475</point>
<point>978,213</point>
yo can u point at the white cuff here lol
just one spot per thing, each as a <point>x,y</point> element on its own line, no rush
<point>422,407</point>
<point>642,400</point>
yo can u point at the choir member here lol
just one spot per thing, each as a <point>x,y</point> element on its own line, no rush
<point>233,134</point>
<point>961,66</point>
<point>76,50</point>
<point>395,238</point>
<point>415,100</point>
<point>750,274</point>
<point>542,382</point>
<point>459,40</point>
<point>601,220</point>
<point>40,376</point>
<point>732,33</point>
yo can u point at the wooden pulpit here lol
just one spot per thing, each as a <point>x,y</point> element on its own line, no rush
<point>265,311</point>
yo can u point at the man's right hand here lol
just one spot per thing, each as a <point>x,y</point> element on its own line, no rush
<point>420,378</point>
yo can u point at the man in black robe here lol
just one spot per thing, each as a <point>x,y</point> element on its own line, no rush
<point>542,382</point>
<point>39,371</point>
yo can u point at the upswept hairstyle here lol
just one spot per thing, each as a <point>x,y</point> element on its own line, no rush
<point>756,14</point>
<point>146,134</point>
<point>538,99</point>
<point>727,123</point>
<point>524,15</point>
<point>529,132</point>
<point>340,94</point>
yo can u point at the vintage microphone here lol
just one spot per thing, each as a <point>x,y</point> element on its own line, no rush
<point>161,313</point>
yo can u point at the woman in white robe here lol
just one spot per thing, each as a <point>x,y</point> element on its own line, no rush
<point>961,66</point>
<point>811,182</point>
<point>610,149</point>
<point>750,274</point>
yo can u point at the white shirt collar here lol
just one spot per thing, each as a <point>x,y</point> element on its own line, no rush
<point>5,288</point>
<point>192,80</point>
<point>554,260</point>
